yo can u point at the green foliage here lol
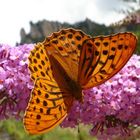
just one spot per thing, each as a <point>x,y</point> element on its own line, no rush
<point>136,30</point>
<point>138,45</point>
<point>13,130</point>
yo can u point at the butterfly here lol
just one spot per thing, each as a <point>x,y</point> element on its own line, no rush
<point>65,64</point>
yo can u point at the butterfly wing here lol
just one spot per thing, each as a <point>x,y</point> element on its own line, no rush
<point>39,64</point>
<point>48,104</point>
<point>102,57</point>
<point>65,46</point>
<point>46,108</point>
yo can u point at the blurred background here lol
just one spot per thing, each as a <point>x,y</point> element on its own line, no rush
<point>30,21</point>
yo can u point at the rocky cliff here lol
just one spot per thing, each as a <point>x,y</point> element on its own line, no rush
<point>44,28</point>
<point>41,29</point>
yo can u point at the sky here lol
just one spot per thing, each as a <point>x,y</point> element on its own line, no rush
<point>16,14</point>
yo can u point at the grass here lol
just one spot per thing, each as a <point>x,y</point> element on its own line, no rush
<point>13,130</point>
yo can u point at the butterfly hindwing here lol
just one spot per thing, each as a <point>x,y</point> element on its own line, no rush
<point>102,57</point>
<point>48,104</point>
<point>46,108</point>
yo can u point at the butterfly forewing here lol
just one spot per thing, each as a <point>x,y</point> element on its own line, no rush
<point>67,43</point>
<point>65,46</point>
<point>102,57</point>
<point>39,64</point>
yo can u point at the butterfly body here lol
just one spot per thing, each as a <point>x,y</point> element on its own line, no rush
<point>66,63</point>
<point>65,82</point>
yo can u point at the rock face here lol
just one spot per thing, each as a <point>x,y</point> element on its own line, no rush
<point>42,29</point>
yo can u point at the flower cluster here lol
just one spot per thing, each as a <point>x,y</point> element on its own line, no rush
<point>113,107</point>
<point>15,84</point>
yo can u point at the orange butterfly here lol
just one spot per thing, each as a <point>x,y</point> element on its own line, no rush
<point>66,63</point>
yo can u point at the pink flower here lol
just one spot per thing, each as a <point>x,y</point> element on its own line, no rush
<point>113,106</point>
<point>110,108</point>
<point>15,83</point>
